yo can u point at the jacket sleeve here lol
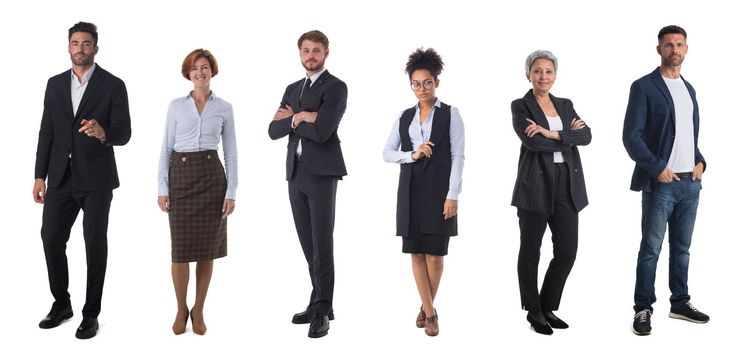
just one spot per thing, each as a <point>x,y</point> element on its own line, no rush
<point>580,137</point>
<point>280,128</point>
<point>118,131</point>
<point>329,115</point>
<point>537,143</point>
<point>633,133</point>
<point>44,145</point>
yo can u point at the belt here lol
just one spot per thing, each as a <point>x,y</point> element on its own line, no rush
<point>684,175</point>
<point>298,157</point>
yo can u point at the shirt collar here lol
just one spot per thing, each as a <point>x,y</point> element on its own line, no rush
<point>315,76</point>
<point>210,97</point>
<point>86,76</point>
<point>436,105</point>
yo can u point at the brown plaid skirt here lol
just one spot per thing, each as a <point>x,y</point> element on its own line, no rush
<point>197,186</point>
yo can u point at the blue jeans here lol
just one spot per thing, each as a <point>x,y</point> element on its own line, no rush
<point>676,204</point>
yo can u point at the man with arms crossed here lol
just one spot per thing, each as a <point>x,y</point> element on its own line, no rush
<point>309,114</point>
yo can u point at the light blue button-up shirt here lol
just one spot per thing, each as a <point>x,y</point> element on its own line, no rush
<point>188,131</point>
<point>420,134</point>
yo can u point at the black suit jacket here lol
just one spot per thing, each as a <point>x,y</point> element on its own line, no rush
<point>321,147</point>
<point>93,165</point>
<point>534,189</point>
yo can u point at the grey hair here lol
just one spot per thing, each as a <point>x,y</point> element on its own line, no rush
<point>537,55</point>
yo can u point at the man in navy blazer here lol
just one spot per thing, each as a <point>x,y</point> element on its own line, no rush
<point>661,136</point>
<point>85,114</point>
<point>309,114</point>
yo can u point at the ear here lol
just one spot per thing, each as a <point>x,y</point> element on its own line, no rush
<point>658,49</point>
<point>437,83</point>
<point>326,56</point>
<point>528,77</point>
<point>96,49</point>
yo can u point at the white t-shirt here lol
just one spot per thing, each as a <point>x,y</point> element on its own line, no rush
<point>555,124</point>
<point>682,158</point>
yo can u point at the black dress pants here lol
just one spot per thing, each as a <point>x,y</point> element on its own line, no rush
<point>61,207</point>
<point>563,222</point>
<point>313,200</point>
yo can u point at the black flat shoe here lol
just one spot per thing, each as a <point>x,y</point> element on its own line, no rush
<point>88,328</point>
<point>319,326</point>
<point>554,321</point>
<point>55,317</point>
<point>538,327</point>
<point>308,315</point>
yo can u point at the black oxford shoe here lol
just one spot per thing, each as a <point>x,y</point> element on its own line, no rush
<point>88,328</point>
<point>307,316</point>
<point>55,317</point>
<point>319,326</point>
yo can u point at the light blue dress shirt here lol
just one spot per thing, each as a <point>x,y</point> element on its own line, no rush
<point>420,134</point>
<point>188,131</point>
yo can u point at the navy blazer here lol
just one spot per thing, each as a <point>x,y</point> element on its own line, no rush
<point>534,188</point>
<point>321,147</point>
<point>649,130</point>
<point>93,165</point>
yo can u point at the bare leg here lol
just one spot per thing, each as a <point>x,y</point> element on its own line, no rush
<point>180,278</point>
<point>203,272</point>
<point>435,272</point>
<point>419,268</point>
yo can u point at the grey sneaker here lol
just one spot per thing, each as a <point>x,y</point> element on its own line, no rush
<point>642,322</point>
<point>688,312</point>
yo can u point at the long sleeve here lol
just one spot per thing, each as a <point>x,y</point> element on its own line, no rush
<point>118,131</point>
<point>457,136</point>
<point>633,133</point>
<point>580,137</point>
<point>537,143</point>
<point>44,145</point>
<point>166,150</point>
<point>229,143</point>
<point>280,128</point>
<point>329,115</point>
<point>392,151</point>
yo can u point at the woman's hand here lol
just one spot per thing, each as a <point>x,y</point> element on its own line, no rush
<point>450,208</point>
<point>577,124</point>
<point>228,208</point>
<point>424,150</point>
<point>535,128</point>
<point>163,203</point>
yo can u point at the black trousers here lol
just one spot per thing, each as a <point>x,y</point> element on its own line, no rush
<point>61,207</point>
<point>313,200</point>
<point>563,223</point>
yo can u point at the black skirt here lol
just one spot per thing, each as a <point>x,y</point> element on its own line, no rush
<point>197,186</point>
<point>417,242</point>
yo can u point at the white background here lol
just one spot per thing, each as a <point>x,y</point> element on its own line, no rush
<point>602,47</point>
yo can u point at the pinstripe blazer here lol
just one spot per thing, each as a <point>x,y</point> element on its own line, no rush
<point>534,186</point>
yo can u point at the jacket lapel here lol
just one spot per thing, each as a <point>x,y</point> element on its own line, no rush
<point>67,100</point>
<point>90,88</point>
<point>662,86</point>
<point>536,110</point>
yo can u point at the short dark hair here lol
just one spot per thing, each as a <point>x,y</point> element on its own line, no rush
<point>84,27</point>
<point>425,59</point>
<point>193,56</point>
<point>314,36</point>
<point>671,29</point>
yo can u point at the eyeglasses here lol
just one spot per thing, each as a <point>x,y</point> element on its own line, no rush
<point>428,84</point>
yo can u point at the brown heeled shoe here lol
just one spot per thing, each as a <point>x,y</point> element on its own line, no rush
<point>199,327</point>
<point>421,318</point>
<point>431,325</point>
<point>180,325</point>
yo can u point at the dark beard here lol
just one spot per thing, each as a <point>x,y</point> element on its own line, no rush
<point>315,68</point>
<point>84,62</point>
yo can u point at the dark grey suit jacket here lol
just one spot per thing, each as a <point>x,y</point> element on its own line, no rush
<point>93,165</point>
<point>534,189</point>
<point>321,147</point>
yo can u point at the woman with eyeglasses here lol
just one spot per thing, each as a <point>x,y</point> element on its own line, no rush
<point>427,140</point>
<point>549,189</point>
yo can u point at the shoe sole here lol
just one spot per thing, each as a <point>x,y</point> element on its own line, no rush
<point>317,335</point>
<point>641,333</point>
<point>64,318</point>
<point>683,317</point>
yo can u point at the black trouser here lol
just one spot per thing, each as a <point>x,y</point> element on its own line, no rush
<point>61,207</point>
<point>313,200</point>
<point>563,223</point>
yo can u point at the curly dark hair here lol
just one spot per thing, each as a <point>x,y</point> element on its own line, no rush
<point>425,59</point>
<point>84,27</point>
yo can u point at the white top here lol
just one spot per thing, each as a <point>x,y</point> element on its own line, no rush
<point>312,78</point>
<point>188,131</point>
<point>419,134</point>
<point>555,124</point>
<point>77,88</point>
<point>682,158</point>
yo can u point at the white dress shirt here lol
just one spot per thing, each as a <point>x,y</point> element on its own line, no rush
<point>312,78</point>
<point>77,88</point>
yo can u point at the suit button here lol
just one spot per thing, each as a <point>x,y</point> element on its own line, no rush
<point>184,159</point>
<point>209,156</point>
<point>576,170</point>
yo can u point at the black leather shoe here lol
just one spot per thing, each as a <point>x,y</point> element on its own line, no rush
<point>55,317</point>
<point>88,328</point>
<point>554,321</point>
<point>319,326</point>
<point>539,327</point>
<point>307,316</point>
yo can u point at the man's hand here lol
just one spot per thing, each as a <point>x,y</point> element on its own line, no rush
<point>283,113</point>
<point>39,191</point>
<point>92,128</point>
